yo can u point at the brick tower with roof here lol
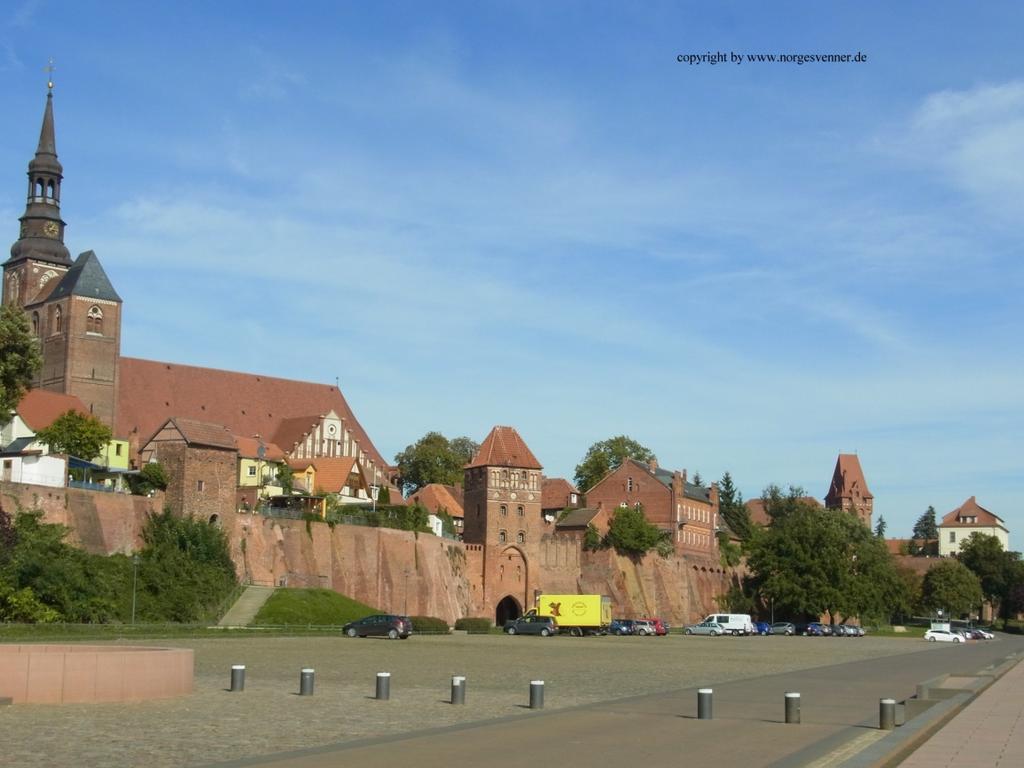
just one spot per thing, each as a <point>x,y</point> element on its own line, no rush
<point>72,307</point>
<point>502,495</point>
<point>849,490</point>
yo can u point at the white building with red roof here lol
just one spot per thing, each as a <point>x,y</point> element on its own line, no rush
<point>970,517</point>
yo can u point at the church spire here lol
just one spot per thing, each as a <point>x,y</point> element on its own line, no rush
<point>42,230</point>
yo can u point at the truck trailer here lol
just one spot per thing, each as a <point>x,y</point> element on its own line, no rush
<point>576,615</point>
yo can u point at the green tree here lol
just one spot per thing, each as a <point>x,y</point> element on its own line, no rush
<point>151,477</point>
<point>993,565</point>
<point>19,359</point>
<point>592,538</point>
<point>812,561</point>
<point>630,532</point>
<point>952,587</point>
<point>185,571</point>
<point>607,455</point>
<point>697,480</point>
<point>433,459</point>
<point>880,527</point>
<point>76,434</point>
<point>732,509</point>
<point>926,528</point>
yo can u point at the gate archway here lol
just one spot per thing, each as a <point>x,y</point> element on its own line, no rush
<point>507,610</point>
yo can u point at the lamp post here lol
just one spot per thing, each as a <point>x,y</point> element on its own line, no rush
<point>374,491</point>
<point>135,579</point>
<point>406,610</point>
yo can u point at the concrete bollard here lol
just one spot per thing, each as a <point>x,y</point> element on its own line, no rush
<point>237,678</point>
<point>793,708</point>
<point>458,689</point>
<point>704,703</point>
<point>536,694</point>
<point>886,714</point>
<point>306,677</point>
<point>383,686</point>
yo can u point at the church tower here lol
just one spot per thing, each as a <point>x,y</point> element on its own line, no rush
<point>73,309</point>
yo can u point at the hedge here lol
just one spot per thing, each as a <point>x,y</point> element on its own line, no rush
<point>429,625</point>
<point>474,625</point>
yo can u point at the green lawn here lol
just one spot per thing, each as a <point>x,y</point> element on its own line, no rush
<point>310,607</point>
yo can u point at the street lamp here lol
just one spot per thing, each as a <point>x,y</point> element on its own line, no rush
<point>135,579</point>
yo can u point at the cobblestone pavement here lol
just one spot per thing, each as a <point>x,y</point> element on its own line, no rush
<point>214,725</point>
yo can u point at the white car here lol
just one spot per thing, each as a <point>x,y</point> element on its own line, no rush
<point>943,636</point>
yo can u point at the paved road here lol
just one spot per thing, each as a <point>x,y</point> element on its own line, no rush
<point>839,715</point>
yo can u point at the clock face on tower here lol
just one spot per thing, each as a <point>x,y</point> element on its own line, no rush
<point>50,229</point>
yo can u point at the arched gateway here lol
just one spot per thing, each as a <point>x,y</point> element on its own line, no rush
<point>508,609</point>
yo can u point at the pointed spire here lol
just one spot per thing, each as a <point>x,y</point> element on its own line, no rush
<point>46,153</point>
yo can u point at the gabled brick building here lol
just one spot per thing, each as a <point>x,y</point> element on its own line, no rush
<point>687,512</point>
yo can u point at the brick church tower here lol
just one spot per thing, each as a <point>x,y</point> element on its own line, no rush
<point>849,490</point>
<point>502,507</point>
<point>73,309</point>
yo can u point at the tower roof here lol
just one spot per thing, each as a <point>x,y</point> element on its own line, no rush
<point>86,278</point>
<point>847,481</point>
<point>503,447</point>
<point>46,151</point>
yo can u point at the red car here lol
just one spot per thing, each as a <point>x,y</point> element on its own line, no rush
<point>660,627</point>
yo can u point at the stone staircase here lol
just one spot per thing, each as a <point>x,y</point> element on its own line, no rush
<point>246,607</point>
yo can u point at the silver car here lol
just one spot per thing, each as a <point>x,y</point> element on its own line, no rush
<point>712,628</point>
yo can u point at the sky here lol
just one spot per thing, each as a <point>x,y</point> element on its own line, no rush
<point>565,218</point>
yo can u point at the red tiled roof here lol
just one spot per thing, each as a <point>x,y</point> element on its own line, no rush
<point>971,508</point>
<point>437,497</point>
<point>150,392</point>
<point>332,473</point>
<point>39,408</point>
<point>503,447</point>
<point>204,433</point>
<point>555,493</point>
<point>847,480</point>
<point>249,448</point>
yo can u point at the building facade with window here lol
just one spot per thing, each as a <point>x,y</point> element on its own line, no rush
<point>970,517</point>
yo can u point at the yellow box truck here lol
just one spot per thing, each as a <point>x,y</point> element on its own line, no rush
<point>576,615</point>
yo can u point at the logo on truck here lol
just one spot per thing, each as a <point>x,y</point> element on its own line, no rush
<point>556,609</point>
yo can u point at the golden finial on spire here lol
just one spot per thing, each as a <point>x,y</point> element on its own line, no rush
<point>49,69</point>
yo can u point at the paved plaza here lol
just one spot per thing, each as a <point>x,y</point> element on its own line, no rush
<point>602,695</point>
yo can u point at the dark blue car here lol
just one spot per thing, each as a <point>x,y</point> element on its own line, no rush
<point>762,628</point>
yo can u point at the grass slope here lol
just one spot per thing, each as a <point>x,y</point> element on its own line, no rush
<point>319,607</point>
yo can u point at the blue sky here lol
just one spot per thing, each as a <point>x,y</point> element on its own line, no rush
<point>532,214</point>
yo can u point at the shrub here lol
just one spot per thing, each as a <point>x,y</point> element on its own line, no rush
<point>474,625</point>
<point>429,625</point>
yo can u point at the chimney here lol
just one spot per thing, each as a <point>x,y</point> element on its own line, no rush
<point>653,464</point>
<point>678,485</point>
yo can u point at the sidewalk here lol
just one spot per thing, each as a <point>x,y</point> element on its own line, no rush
<point>988,732</point>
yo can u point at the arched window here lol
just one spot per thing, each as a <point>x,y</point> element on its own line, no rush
<point>502,537</point>
<point>520,511</point>
<point>35,323</point>
<point>49,189</point>
<point>521,537</point>
<point>94,320</point>
<point>39,188</point>
<point>504,510</point>
<point>58,321</point>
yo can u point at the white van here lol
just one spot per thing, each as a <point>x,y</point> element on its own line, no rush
<point>733,623</point>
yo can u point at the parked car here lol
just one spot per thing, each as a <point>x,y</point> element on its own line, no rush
<point>787,628</point>
<point>660,627</point>
<point>985,634</point>
<point>381,625</point>
<point>644,627</point>
<point>712,628</point>
<point>763,628</point>
<point>812,629</point>
<point>943,636</point>
<point>733,623</point>
<point>532,625</point>
<point>620,627</point>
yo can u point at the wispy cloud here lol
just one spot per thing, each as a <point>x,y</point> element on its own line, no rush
<point>24,14</point>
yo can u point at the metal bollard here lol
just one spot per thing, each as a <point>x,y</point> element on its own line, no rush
<point>306,682</point>
<point>704,703</point>
<point>458,689</point>
<point>237,678</point>
<point>793,708</point>
<point>536,694</point>
<point>383,686</point>
<point>886,714</point>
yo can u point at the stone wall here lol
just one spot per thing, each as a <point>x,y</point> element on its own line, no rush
<point>399,571</point>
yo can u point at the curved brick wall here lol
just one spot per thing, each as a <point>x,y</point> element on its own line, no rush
<point>67,674</point>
